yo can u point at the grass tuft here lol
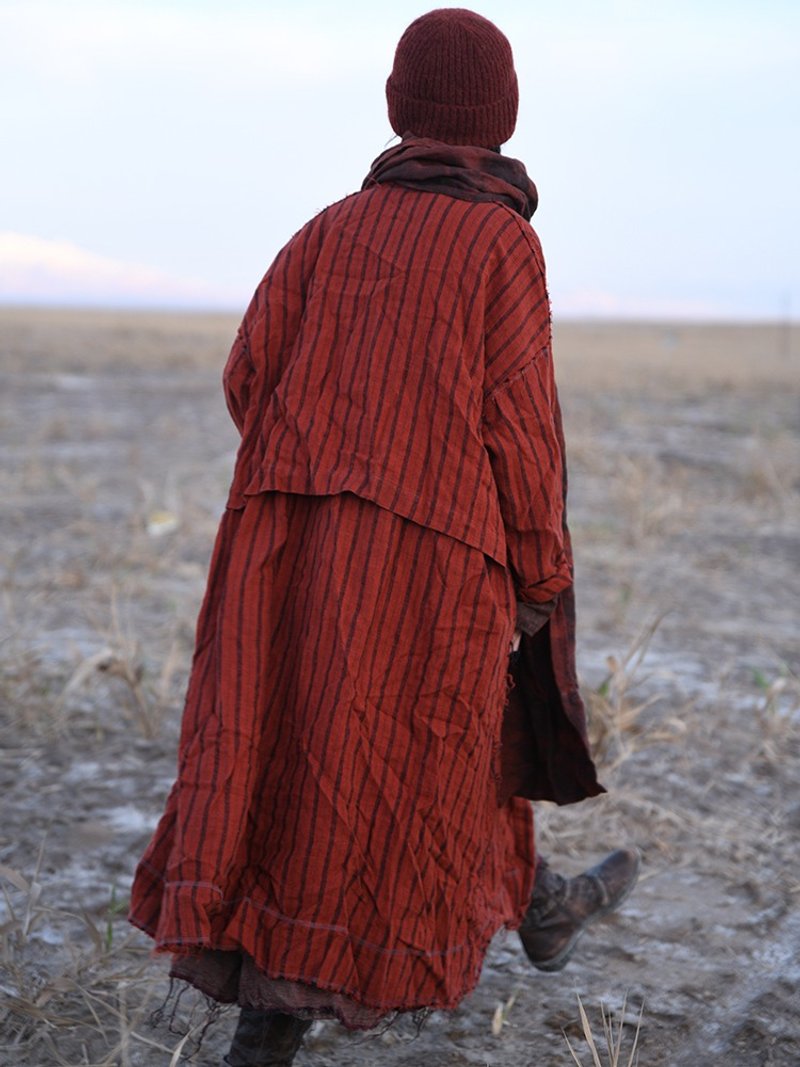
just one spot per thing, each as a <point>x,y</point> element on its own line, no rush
<point>616,727</point>
<point>96,992</point>
<point>610,1042</point>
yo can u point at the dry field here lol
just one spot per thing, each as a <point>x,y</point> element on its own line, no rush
<point>684,447</point>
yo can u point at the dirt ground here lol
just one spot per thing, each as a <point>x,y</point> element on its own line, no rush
<point>684,446</point>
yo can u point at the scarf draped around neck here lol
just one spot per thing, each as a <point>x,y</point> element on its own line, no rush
<point>462,171</point>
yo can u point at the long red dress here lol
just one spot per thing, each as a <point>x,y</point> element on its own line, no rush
<point>334,841</point>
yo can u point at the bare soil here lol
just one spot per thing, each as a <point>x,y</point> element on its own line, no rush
<point>685,497</point>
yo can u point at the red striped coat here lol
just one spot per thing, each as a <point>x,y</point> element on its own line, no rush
<point>408,342</point>
<point>334,834</point>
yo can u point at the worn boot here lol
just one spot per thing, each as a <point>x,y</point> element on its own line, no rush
<point>561,908</point>
<point>265,1039</point>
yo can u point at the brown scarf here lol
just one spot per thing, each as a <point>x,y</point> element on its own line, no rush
<point>462,171</point>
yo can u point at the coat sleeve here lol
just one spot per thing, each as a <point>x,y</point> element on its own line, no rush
<point>521,427</point>
<point>263,347</point>
<point>237,377</point>
<point>270,325</point>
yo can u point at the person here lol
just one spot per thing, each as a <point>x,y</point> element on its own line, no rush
<point>350,824</point>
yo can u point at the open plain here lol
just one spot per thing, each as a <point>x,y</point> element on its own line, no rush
<point>684,449</point>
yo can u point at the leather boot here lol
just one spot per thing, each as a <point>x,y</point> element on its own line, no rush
<point>266,1039</point>
<point>561,908</point>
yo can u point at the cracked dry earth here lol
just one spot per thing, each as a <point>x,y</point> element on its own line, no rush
<point>684,508</point>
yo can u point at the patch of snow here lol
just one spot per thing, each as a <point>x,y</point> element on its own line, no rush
<point>82,771</point>
<point>130,820</point>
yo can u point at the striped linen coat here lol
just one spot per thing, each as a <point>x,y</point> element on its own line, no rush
<point>334,842</point>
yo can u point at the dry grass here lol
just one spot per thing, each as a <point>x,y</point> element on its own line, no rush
<point>610,1043</point>
<point>100,993</point>
<point>41,701</point>
<point>120,659</point>
<point>95,993</point>
<point>778,711</point>
<point>622,358</point>
<point>617,726</point>
<point>91,340</point>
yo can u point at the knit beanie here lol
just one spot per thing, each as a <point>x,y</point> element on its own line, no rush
<point>453,80</point>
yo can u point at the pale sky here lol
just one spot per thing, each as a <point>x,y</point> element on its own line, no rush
<point>162,152</point>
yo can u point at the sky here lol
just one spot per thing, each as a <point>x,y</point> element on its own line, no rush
<point>161,153</point>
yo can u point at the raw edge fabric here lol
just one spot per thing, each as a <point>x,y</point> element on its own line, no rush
<point>353,844</point>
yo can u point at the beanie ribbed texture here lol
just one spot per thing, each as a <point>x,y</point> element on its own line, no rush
<point>453,80</point>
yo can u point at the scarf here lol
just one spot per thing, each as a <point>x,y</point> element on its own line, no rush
<point>462,171</point>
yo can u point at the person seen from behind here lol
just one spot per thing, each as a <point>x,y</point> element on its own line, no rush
<point>351,821</point>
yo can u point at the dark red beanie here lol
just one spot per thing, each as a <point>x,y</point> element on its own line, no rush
<point>453,80</point>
